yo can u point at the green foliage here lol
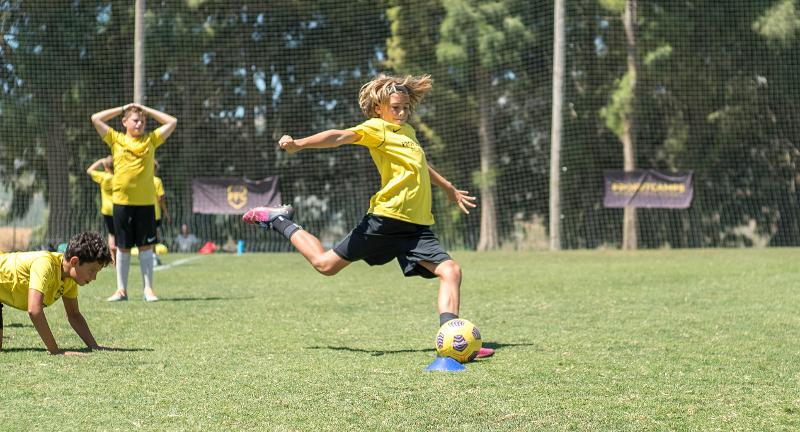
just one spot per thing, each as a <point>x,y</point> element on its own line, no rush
<point>719,96</point>
<point>483,33</point>
<point>616,6</point>
<point>779,23</point>
<point>660,54</point>
<point>619,106</point>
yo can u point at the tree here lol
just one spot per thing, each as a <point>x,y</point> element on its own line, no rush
<point>482,41</point>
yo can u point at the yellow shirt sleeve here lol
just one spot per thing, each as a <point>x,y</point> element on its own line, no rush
<point>97,176</point>
<point>43,274</point>
<point>111,137</point>
<point>372,133</point>
<point>157,138</point>
<point>159,186</point>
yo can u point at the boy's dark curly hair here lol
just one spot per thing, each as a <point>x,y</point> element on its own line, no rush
<point>88,247</point>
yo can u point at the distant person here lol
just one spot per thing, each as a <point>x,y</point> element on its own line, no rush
<point>134,194</point>
<point>31,281</point>
<point>104,178</point>
<point>397,224</point>
<point>160,208</point>
<point>186,241</point>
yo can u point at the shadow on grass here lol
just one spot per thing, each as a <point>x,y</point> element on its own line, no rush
<point>376,353</point>
<point>499,345</point>
<point>184,299</point>
<point>80,350</point>
<point>17,325</point>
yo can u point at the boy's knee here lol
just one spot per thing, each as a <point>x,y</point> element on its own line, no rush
<point>449,270</point>
<point>325,268</point>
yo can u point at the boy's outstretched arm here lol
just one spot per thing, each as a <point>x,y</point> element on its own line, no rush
<point>39,320</point>
<point>168,122</point>
<point>460,197</point>
<point>328,139</point>
<point>78,323</point>
<point>99,119</point>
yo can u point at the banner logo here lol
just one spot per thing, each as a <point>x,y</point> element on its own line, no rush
<point>648,189</point>
<point>233,195</point>
<point>237,196</point>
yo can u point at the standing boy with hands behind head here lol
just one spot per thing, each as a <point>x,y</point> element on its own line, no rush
<point>134,194</point>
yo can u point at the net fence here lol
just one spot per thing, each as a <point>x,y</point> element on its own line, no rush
<point>715,94</point>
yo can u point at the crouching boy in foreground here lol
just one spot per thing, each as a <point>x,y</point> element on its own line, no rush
<point>34,280</point>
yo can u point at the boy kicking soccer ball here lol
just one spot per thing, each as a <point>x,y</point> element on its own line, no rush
<point>31,281</point>
<point>397,225</point>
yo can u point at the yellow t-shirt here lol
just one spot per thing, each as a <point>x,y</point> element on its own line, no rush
<point>159,193</point>
<point>405,192</point>
<point>104,179</point>
<point>21,271</point>
<point>133,166</point>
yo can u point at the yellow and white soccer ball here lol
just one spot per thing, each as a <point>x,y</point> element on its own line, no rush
<point>458,339</point>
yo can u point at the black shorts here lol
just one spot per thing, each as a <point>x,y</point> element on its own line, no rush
<point>378,240</point>
<point>134,225</point>
<point>109,223</point>
<point>158,223</point>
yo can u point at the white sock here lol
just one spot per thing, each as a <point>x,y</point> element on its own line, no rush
<point>123,267</point>
<point>146,259</point>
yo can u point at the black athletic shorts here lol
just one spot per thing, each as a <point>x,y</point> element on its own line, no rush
<point>379,239</point>
<point>134,225</point>
<point>158,223</point>
<point>109,224</point>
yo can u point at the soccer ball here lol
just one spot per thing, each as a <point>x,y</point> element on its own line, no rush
<point>458,339</point>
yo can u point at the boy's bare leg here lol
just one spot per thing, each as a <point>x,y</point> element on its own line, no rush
<point>280,219</point>
<point>325,262</point>
<point>449,274</point>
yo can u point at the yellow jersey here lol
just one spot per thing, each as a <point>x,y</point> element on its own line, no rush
<point>104,179</point>
<point>159,193</point>
<point>21,271</point>
<point>405,192</point>
<point>133,166</point>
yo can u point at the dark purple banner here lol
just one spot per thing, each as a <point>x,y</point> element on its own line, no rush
<point>648,189</point>
<point>233,195</point>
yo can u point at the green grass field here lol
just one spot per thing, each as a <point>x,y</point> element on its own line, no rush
<point>656,340</point>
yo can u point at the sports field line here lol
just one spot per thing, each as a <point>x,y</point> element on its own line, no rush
<point>176,263</point>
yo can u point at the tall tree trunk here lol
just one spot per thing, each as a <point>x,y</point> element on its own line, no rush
<point>57,155</point>
<point>488,236</point>
<point>557,122</point>
<point>629,225</point>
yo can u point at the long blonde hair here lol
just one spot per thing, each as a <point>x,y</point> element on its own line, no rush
<point>377,92</point>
